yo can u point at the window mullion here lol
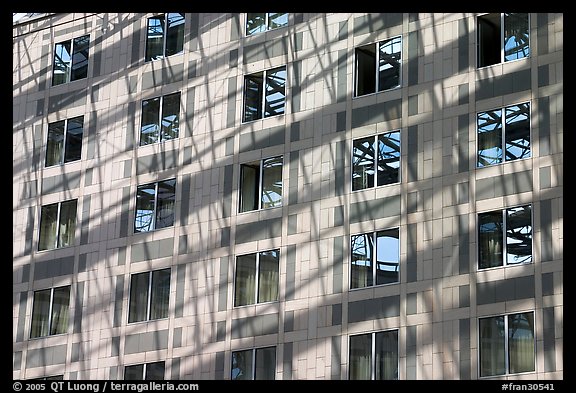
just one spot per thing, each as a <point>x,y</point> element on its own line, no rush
<point>71,61</point>
<point>373,362</point>
<point>266,21</point>
<point>374,259</point>
<point>56,241</point>
<point>50,312</point>
<point>165,35</point>
<point>148,308</point>
<point>155,206</point>
<point>502,43</point>
<point>254,363</point>
<point>264,85</point>
<point>506,343</point>
<point>376,146</point>
<point>257,280</point>
<point>160,116</point>
<point>64,142</point>
<point>504,238</point>
<point>503,140</point>
<point>376,70</point>
<point>260,181</point>
<point>144,372</point>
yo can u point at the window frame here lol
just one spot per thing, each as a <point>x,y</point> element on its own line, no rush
<point>373,259</point>
<point>254,350</point>
<point>260,185</point>
<point>257,279</point>
<point>64,140</point>
<point>266,24</point>
<point>373,352</point>
<point>150,274</point>
<point>69,72</point>
<point>503,214</point>
<point>355,67</point>
<point>263,98</point>
<point>375,166</point>
<point>506,344</point>
<point>58,218</point>
<point>52,289</point>
<point>503,138</point>
<point>164,36</point>
<point>144,370</point>
<point>160,118</point>
<point>501,43</point>
<point>153,224</point>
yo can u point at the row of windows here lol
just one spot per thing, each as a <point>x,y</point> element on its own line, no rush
<point>506,346</point>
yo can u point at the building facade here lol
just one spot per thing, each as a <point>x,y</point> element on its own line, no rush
<point>288,196</point>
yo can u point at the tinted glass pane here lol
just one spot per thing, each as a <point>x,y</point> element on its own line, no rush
<point>268,276</point>
<point>255,23</point>
<point>362,254</point>
<point>361,357</point>
<point>40,314</point>
<point>160,294</point>
<point>387,355</point>
<point>245,281</point>
<point>517,132</point>
<point>155,38</point>
<point>175,34</point>
<point>387,256</point>
<point>155,371</point>
<point>170,116</point>
<point>166,199</point>
<point>489,40</point>
<point>277,20</point>
<point>253,86</point>
<point>275,92</point>
<point>138,310</point>
<point>521,342</point>
<point>266,363</point>
<point>62,63</point>
<point>144,220</point>
<point>490,239</point>
<point>389,63</point>
<point>74,132</point>
<point>516,36</point>
<point>519,235</point>
<point>492,352</point>
<point>363,157</point>
<point>489,138</point>
<point>55,145</point>
<point>249,186</point>
<point>388,158</point>
<point>134,373</point>
<point>54,378</point>
<point>149,131</point>
<point>60,305</point>
<point>67,224</point>
<point>48,227</point>
<point>80,57</point>
<point>272,182</point>
<point>365,70</point>
<point>242,365</point>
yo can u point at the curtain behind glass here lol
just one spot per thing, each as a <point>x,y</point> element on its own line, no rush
<point>160,294</point>
<point>154,371</point>
<point>249,186</point>
<point>245,281</point>
<point>62,63</point>
<point>362,255</point>
<point>149,130</point>
<point>145,205</point>
<point>521,342</point>
<point>266,363</point>
<point>40,314</point>
<point>134,373</point>
<point>242,365</point>
<point>175,33</point>
<point>389,63</point>
<point>55,145</point>
<point>516,36</point>
<point>387,355</point>
<point>272,182</point>
<point>517,133</point>
<point>80,58</point>
<point>67,223</point>
<point>268,276</point>
<point>361,357</point>
<point>166,199</point>
<point>489,138</point>
<point>170,116</point>
<point>388,163</point>
<point>138,308</point>
<point>48,225</point>
<point>492,351</point>
<point>363,157</point>
<point>490,239</point>
<point>74,132</point>
<point>155,38</point>
<point>60,307</point>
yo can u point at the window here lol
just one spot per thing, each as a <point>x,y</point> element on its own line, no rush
<point>509,133</point>
<point>506,344</point>
<point>155,205</point>
<point>57,225</point>
<point>64,141</point>
<point>160,125</point>
<point>260,22</point>
<point>516,224</point>
<point>257,277</point>
<point>71,60</point>
<point>50,312</point>
<point>149,295</point>
<point>50,378</point>
<point>264,93</point>
<point>366,163</point>
<point>374,356</point>
<point>261,184</point>
<point>257,364</point>
<point>375,267</point>
<point>497,44</point>
<point>378,66</point>
<point>145,372</point>
<point>164,36</point>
